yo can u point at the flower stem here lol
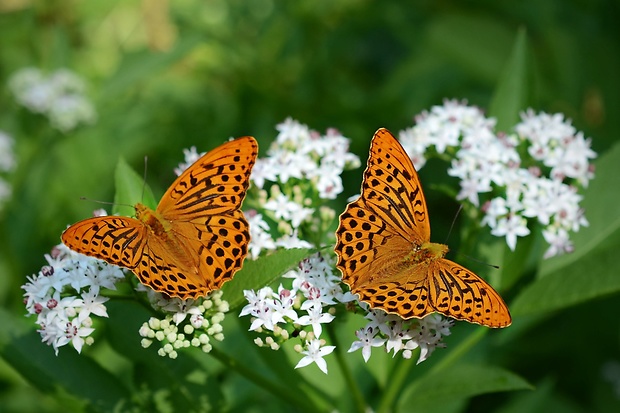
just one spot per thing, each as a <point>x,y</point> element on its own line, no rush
<point>304,404</point>
<point>397,379</point>
<point>358,397</point>
<point>459,351</point>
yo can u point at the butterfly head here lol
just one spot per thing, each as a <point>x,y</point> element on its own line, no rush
<point>152,219</point>
<point>434,250</point>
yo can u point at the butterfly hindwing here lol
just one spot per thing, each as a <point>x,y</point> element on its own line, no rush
<point>221,244</point>
<point>406,299</point>
<point>167,276</point>
<point>457,292</point>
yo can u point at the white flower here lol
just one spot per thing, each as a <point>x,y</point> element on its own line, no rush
<point>260,238</point>
<point>59,96</point>
<point>511,227</point>
<point>301,154</point>
<point>315,318</point>
<point>486,162</point>
<point>75,334</point>
<point>191,156</point>
<point>329,183</point>
<point>92,303</point>
<point>395,336</point>
<point>64,295</point>
<point>68,111</point>
<point>282,306</point>
<point>259,308</point>
<point>315,354</point>
<point>366,340</point>
<point>265,169</point>
<point>291,240</point>
<point>401,335</point>
<point>283,208</point>
<point>558,241</point>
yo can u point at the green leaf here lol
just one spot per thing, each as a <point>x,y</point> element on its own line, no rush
<point>475,43</point>
<point>258,273</point>
<point>511,93</point>
<point>130,189</point>
<point>69,372</point>
<point>592,269</point>
<point>458,382</point>
<point>141,65</point>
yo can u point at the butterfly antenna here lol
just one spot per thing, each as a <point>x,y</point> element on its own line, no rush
<point>465,255</point>
<point>479,261</point>
<point>453,222</point>
<point>83,198</point>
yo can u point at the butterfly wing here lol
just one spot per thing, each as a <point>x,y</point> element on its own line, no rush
<point>195,240</point>
<point>459,293</point>
<point>217,243</point>
<point>214,184</point>
<point>116,240</point>
<point>386,222</point>
<point>380,248</point>
<point>392,189</point>
<point>208,237</point>
<point>444,287</point>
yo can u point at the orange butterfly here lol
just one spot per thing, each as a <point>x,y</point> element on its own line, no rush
<point>197,237</point>
<point>385,254</point>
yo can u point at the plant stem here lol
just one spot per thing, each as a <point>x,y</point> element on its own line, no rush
<point>262,382</point>
<point>397,379</point>
<point>459,351</point>
<point>358,397</point>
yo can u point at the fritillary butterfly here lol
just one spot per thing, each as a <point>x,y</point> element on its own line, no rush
<point>385,254</point>
<point>197,237</point>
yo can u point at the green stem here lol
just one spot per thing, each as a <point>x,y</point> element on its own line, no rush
<point>396,382</point>
<point>264,383</point>
<point>286,373</point>
<point>460,350</point>
<point>356,393</point>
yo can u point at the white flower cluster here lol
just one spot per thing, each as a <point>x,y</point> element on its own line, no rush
<point>187,323</point>
<point>302,170</point>
<point>64,295</point>
<point>308,304</point>
<point>60,96</point>
<point>512,166</point>
<point>398,334</point>
<point>301,154</point>
<point>7,165</point>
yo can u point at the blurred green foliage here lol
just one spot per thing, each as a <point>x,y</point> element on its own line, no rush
<point>166,75</point>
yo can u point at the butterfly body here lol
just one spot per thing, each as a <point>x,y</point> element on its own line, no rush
<point>196,238</point>
<point>161,230</point>
<point>385,254</point>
